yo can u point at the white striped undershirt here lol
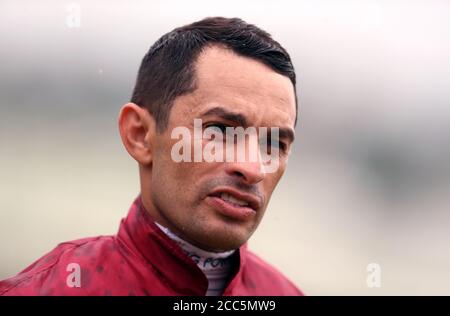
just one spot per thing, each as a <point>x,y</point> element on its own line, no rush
<point>216,266</point>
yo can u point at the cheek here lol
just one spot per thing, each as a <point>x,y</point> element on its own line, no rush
<point>272,179</point>
<point>178,178</point>
<point>166,174</point>
<point>173,169</point>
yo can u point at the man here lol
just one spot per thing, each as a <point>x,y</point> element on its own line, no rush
<point>186,232</point>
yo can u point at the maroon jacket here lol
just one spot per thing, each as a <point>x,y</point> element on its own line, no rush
<point>139,260</point>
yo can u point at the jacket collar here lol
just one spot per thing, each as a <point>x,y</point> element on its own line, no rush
<point>139,232</point>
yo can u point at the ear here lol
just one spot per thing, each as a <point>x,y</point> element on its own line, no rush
<point>137,130</point>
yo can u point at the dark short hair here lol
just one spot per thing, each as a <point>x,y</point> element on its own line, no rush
<point>168,69</point>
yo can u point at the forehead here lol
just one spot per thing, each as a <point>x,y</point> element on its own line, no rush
<point>243,85</point>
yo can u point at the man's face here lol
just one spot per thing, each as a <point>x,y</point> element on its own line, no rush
<point>193,198</point>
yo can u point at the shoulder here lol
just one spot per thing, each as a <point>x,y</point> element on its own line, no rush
<point>269,279</point>
<point>49,274</point>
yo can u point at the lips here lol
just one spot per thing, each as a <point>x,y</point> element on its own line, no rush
<point>231,199</point>
<point>238,198</point>
<point>234,204</point>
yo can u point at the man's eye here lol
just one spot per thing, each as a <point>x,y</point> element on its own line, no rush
<point>275,144</point>
<point>218,126</point>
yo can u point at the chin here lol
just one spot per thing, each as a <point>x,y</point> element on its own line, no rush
<point>214,232</point>
<point>224,239</point>
<point>221,246</point>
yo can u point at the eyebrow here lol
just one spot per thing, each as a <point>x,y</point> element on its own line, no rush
<point>240,120</point>
<point>227,115</point>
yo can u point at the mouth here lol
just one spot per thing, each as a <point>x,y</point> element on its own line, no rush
<point>234,204</point>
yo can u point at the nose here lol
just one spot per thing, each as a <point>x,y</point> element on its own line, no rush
<point>249,171</point>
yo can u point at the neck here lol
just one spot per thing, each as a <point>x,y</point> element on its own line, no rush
<point>217,266</point>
